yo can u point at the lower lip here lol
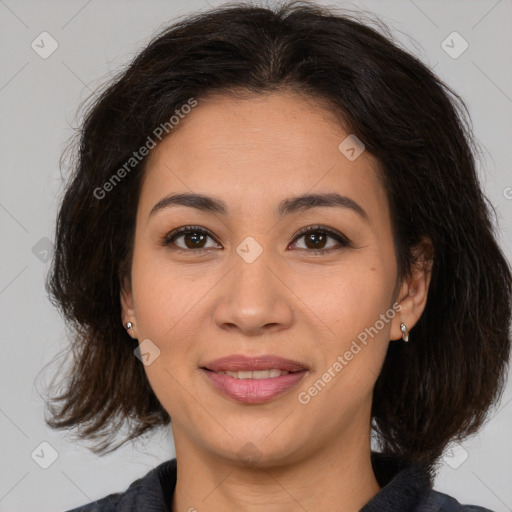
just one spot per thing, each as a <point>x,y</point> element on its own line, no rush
<point>254,391</point>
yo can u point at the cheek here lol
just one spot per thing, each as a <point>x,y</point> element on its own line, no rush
<point>349,298</point>
<point>354,303</point>
<point>163,295</point>
<point>357,310</point>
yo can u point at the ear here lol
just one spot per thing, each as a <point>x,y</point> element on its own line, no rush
<point>127,306</point>
<point>413,293</point>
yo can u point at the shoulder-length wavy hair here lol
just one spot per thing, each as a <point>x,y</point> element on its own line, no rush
<point>439,387</point>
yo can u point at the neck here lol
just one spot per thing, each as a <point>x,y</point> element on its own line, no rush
<point>337,478</point>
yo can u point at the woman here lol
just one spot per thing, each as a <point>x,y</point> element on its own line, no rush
<point>275,236</point>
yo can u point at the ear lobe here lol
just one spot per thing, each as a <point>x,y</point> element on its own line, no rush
<point>127,307</point>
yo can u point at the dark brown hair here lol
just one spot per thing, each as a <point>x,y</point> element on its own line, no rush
<point>436,388</point>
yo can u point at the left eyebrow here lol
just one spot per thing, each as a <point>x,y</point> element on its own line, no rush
<point>285,207</point>
<point>305,202</point>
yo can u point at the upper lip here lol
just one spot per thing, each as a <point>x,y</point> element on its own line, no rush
<point>235,363</point>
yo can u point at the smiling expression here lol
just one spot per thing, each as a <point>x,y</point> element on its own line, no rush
<point>285,249</point>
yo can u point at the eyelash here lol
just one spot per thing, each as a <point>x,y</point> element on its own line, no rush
<point>341,239</point>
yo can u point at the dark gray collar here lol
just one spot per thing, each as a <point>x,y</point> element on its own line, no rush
<point>402,487</point>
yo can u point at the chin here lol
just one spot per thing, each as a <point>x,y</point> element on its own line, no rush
<point>257,449</point>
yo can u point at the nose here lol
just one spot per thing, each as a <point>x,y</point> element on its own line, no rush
<point>253,300</point>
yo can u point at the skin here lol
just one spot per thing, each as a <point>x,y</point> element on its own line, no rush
<point>252,153</point>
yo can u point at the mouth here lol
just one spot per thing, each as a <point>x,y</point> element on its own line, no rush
<point>255,374</point>
<point>241,363</point>
<point>254,380</point>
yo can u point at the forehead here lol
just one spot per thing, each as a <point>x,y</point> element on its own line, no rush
<point>252,151</point>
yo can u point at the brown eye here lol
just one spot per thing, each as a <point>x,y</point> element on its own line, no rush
<point>316,239</point>
<point>190,239</point>
<point>194,239</point>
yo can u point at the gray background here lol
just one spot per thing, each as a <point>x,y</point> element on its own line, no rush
<point>38,102</point>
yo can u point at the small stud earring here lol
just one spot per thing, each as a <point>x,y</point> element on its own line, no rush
<point>129,325</point>
<point>405,332</point>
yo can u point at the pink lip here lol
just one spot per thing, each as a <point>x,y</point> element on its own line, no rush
<point>253,391</point>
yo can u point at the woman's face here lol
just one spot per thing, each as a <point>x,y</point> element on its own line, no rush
<point>243,282</point>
